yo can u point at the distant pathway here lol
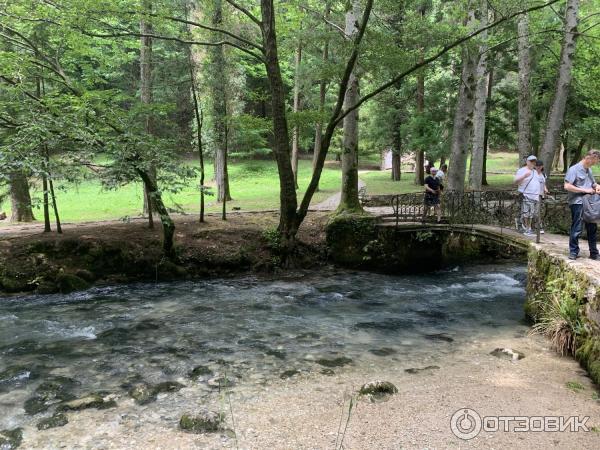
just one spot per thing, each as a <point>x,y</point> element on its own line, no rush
<point>331,203</point>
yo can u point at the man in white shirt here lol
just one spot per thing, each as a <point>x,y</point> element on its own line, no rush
<point>441,174</point>
<point>529,186</point>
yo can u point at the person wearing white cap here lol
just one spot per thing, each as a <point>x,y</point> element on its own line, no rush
<point>433,189</point>
<point>528,183</point>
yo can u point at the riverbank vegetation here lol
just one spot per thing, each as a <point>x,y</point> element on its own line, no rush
<point>118,95</point>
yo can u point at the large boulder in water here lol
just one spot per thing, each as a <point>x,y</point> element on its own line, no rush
<point>51,391</point>
<point>508,353</point>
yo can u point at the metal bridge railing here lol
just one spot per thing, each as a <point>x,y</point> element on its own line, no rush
<point>500,208</point>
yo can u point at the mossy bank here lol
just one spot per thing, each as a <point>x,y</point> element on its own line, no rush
<point>563,300</point>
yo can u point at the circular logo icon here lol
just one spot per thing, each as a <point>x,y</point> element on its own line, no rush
<point>465,424</point>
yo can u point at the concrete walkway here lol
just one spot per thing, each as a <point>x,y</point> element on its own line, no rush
<point>331,203</point>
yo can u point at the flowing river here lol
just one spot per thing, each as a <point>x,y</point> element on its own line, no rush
<point>240,335</point>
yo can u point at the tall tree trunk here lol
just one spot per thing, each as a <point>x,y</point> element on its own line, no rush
<point>524,134</point>
<point>486,133</point>
<point>19,198</point>
<point>420,153</point>
<point>349,199</point>
<point>296,131</point>
<point>397,150</point>
<point>557,110</point>
<point>146,93</point>
<point>463,116</point>
<point>218,84</point>
<point>199,121</point>
<point>480,106</point>
<point>46,205</point>
<point>322,94</point>
<point>288,225</point>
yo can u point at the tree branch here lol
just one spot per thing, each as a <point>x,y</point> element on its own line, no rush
<point>436,56</point>
<point>246,12</point>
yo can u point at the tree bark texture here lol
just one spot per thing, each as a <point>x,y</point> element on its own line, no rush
<point>20,199</point>
<point>557,110</point>
<point>420,153</point>
<point>486,133</point>
<point>524,107</point>
<point>296,131</point>
<point>281,144</point>
<point>463,115</point>
<point>480,106</point>
<point>349,199</point>
<point>218,83</point>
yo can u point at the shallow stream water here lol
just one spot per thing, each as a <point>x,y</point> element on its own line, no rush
<point>245,332</point>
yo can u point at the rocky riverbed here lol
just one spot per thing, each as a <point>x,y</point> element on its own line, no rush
<point>278,363</point>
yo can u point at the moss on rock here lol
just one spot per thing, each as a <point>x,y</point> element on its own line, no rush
<point>203,422</point>
<point>11,439</point>
<point>69,283</point>
<point>57,420</point>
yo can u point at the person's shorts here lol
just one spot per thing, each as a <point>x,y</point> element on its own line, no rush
<point>432,200</point>
<point>530,208</point>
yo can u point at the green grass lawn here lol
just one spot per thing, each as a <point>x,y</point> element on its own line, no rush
<point>254,186</point>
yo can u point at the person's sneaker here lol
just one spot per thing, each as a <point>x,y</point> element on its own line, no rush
<point>594,257</point>
<point>572,256</point>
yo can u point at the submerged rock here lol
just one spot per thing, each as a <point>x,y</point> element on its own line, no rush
<point>10,439</point>
<point>167,386</point>
<point>328,372</point>
<point>415,370</point>
<point>48,393</point>
<point>89,401</point>
<point>221,382</point>
<point>203,422</point>
<point>57,420</point>
<point>279,354</point>
<point>289,374</point>
<point>69,283</point>
<point>15,377</point>
<point>142,394</point>
<point>508,353</point>
<point>334,362</point>
<point>378,389</point>
<point>199,371</point>
<point>384,351</point>
<point>439,337</point>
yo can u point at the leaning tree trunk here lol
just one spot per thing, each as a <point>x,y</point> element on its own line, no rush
<point>296,131</point>
<point>218,83</point>
<point>168,225</point>
<point>480,106</point>
<point>322,94</point>
<point>524,134</point>
<point>349,199</point>
<point>557,110</point>
<point>463,116</point>
<point>577,152</point>
<point>288,225</point>
<point>146,93</point>
<point>19,198</point>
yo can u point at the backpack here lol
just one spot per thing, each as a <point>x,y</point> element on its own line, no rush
<point>591,208</point>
